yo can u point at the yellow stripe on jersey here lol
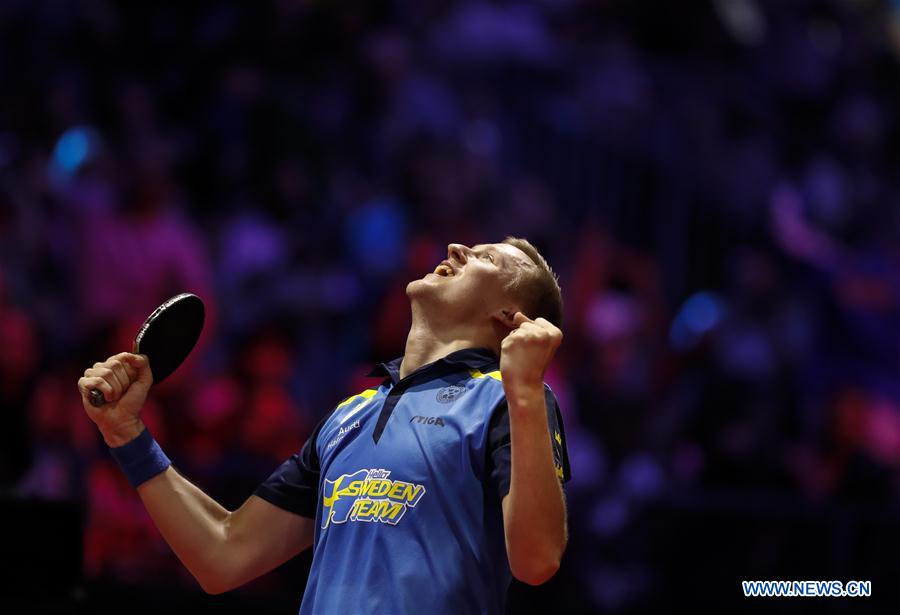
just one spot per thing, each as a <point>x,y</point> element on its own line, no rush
<point>364,395</point>
<point>494,374</point>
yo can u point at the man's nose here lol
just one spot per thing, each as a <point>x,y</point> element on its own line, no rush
<point>457,252</point>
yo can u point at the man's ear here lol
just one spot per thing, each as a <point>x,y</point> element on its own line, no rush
<point>505,316</point>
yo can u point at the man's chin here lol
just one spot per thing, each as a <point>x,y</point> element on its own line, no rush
<point>415,287</point>
<point>421,287</point>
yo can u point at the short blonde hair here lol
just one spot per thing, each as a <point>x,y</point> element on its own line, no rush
<point>537,288</point>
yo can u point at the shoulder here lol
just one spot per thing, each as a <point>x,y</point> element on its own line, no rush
<point>345,409</point>
<point>486,387</point>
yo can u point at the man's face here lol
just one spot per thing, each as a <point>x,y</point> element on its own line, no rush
<point>472,281</point>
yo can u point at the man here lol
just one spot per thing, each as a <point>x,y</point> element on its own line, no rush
<point>422,495</point>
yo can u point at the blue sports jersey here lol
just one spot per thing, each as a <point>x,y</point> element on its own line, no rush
<point>405,482</point>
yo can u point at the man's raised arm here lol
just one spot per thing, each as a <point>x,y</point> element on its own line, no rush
<point>222,549</point>
<point>534,510</point>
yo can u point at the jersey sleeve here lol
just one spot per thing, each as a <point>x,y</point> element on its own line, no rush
<point>294,485</point>
<point>499,447</point>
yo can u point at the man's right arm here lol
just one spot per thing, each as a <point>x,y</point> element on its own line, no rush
<point>222,549</point>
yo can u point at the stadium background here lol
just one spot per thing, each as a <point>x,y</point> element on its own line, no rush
<point>714,181</point>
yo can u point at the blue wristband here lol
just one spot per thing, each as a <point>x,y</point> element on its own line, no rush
<point>141,459</point>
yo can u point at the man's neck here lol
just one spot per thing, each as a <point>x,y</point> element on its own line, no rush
<point>427,343</point>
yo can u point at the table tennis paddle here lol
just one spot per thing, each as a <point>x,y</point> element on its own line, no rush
<point>166,337</point>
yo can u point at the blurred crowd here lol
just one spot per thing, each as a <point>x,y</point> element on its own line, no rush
<point>716,183</point>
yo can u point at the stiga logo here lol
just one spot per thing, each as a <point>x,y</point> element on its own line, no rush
<point>367,496</point>
<point>428,420</point>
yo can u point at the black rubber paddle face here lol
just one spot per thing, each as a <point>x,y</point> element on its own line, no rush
<point>166,337</point>
<point>170,333</point>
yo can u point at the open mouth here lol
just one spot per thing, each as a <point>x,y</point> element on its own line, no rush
<point>445,271</point>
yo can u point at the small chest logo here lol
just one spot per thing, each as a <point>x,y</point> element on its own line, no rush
<point>428,420</point>
<point>450,394</point>
<point>341,433</point>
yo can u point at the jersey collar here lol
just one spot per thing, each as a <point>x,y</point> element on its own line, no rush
<point>472,358</point>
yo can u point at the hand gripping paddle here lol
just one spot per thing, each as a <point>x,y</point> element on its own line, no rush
<point>166,337</point>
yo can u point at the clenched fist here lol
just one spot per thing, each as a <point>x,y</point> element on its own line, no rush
<point>525,354</point>
<point>124,379</point>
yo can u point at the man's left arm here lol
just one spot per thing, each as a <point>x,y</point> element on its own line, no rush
<point>534,511</point>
